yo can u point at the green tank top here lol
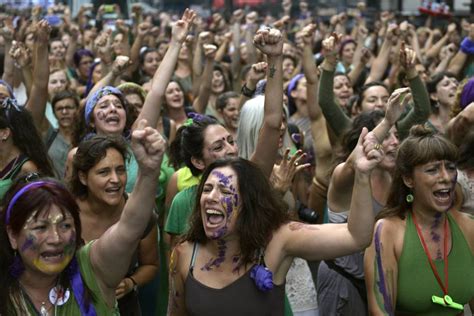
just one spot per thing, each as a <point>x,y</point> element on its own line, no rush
<point>185,179</point>
<point>416,281</point>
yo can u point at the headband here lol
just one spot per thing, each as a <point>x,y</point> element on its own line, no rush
<point>95,97</point>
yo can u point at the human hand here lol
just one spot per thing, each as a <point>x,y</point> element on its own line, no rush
<point>365,55</point>
<point>396,104</point>
<point>392,32</point>
<point>20,54</point>
<point>269,42</point>
<point>238,16</point>
<point>7,31</point>
<point>407,57</point>
<point>367,154</point>
<point>331,47</point>
<point>209,51</point>
<point>120,65</point>
<point>257,72</point>
<point>125,286</point>
<point>43,29</point>
<point>307,34</point>
<point>148,146</point>
<point>205,38</point>
<point>122,27</point>
<point>283,173</point>
<point>281,23</point>
<point>181,27</point>
<point>451,28</point>
<point>143,29</point>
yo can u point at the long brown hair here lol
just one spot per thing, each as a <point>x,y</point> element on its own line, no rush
<point>262,211</point>
<point>422,146</point>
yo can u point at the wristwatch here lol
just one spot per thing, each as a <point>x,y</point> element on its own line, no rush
<point>246,91</point>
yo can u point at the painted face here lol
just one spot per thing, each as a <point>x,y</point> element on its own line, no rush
<point>288,68</point>
<point>64,110</point>
<point>348,53</point>
<point>374,98</point>
<point>109,115</point>
<point>299,94</point>
<point>390,147</point>
<point>58,50</point>
<point>57,82</point>
<point>134,101</point>
<point>106,180</point>
<point>231,113</point>
<point>342,90</point>
<point>97,73</point>
<point>218,143</point>
<point>446,91</point>
<point>174,96</point>
<point>47,241</point>
<point>151,63</point>
<point>433,185</point>
<point>217,84</point>
<point>4,93</point>
<point>85,66</point>
<point>220,203</point>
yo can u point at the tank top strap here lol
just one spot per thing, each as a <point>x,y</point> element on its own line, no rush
<point>193,257</point>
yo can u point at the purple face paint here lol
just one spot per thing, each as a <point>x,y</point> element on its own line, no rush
<point>381,284</point>
<point>225,180</point>
<point>215,263</point>
<point>29,243</point>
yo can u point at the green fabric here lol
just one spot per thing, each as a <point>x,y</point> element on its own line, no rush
<point>416,281</point>
<point>177,222</point>
<point>288,311</point>
<point>166,171</point>
<point>71,307</point>
<point>132,170</point>
<point>340,122</point>
<point>185,179</point>
<point>337,120</point>
<point>421,110</point>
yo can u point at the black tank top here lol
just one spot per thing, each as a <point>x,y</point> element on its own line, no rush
<point>242,297</point>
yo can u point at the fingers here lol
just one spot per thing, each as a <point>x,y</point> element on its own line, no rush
<point>364,132</point>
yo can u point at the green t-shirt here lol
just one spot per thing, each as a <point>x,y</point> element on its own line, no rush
<point>177,222</point>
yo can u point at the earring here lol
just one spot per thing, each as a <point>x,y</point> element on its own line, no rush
<point>409,198</point>
<point>16,268</point>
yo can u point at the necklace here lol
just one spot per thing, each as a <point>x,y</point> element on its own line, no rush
<point>446,300</point>
<point>57,297</point>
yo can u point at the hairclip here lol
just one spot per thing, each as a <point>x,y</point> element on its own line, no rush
<point>196,117</point>
<point>188,122</point>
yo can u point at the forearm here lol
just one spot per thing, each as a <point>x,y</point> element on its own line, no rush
<point>335,117</point>
<point>135,53</point>
<point>252,51</point>
<point>420,111</point>
<point>380,63</point>
<point>442,65</point>
<point>222,51</point>
<point>8,66</point>
<point>71,49</point>
<point>27,73</point>
<point>361,218</point>
<point>107,80</point>
<point>38,96</point>
<point>355,73</point>
<point>202,98</point>
<point>436,48</point>
<point>457,63</point>
<point>197,60</point>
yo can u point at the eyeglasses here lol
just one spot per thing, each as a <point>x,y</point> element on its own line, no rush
<point>66,108</point>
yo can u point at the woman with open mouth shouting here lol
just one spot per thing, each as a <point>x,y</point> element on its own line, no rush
<point>47,268</point>
<point>237,252</point>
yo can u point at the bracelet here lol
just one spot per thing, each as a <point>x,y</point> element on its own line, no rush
<point>246,91</point>
<point>135,285</point>
<point>467,46</point>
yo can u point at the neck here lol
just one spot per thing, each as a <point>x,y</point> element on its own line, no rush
<point>301,109</point>
<point>428,220</point>
<point>182,65</point>
<point>444,113</point>
<point>177,114</point>
<point>225,247</point>
<point>66,132</point>
<point>100,210</point>
<point>7,153</point>
<point>37,282</point>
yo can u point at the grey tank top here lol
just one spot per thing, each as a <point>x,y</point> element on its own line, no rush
<point>354,263</point>
<point>238,298</point>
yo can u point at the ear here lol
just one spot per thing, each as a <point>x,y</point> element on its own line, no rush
<point>433,96</point>
<point>408,181</point>
<point>82,177</point>
<point>293,93</point>
<point>198,163</point>
<point>12,238</point>
<point>5,133</point>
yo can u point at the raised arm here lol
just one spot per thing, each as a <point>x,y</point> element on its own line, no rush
<point>337,120</point>
<point>316,242</point>
<point>38,97</point>
<point>7,32</point>
<point>121,63</point>
<point>23,59</point>
<point>436,48</point>
<point>152,106</point>
<point>421,109</point>
<point>381,61</point>
<point>270,43</point>
<point>466,50</point>
<point>200,103</point>
<point>310,72</point>
<point>111,253</point>
<point>72,47</point>
<point>142,30</point>
<point>256,73</point>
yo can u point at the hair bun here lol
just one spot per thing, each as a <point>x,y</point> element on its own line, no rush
<point>421,131</point>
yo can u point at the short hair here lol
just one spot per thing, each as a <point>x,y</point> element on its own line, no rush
<point>66,94</point>
<point>222,99</point>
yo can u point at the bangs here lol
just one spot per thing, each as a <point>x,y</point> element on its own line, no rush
<point>434,149</point>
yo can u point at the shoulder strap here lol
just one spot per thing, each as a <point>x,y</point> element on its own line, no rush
<point>51,137</point>
<point>193,256</point>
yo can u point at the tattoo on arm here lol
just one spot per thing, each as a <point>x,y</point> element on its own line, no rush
<point>272,71</point>
<point>298,226</point>
<point>381,287</point>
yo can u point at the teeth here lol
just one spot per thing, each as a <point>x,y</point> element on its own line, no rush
<point>213,212</point>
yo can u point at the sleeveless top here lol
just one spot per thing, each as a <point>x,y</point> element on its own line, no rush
<point>241,297</point>
<point>185,179</point>
<point>58,149</point>
<point>416,281</point>
<point>10,172</point>
<point>71,307</point>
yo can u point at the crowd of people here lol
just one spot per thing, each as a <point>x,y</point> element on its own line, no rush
<point>252,164</point>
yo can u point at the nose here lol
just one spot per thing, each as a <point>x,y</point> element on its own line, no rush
<point>231,149</point>
<point>444,174</point>
<point>380,104</point>
<point>53,235</point>
<point>114,177</point>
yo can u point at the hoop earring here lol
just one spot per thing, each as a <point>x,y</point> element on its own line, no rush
<point>409,198</point>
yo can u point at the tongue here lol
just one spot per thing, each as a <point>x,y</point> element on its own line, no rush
<point>215,219</point>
